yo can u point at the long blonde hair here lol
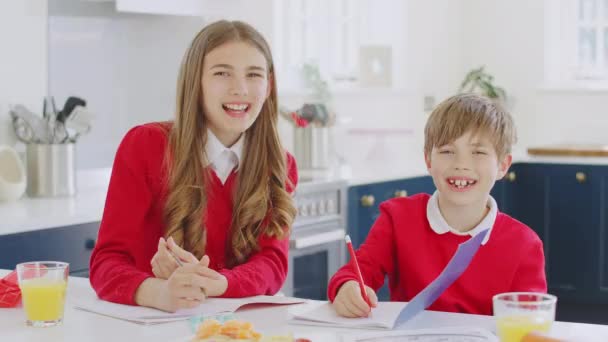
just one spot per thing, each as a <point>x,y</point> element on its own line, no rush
<point>261,201</point>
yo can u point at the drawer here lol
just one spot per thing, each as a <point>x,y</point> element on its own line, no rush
<point>72,244</point>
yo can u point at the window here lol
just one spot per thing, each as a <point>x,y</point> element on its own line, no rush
<point>336,35</point>
<point>576,35</point>
<point>322,32</point>
<point>592,39</point>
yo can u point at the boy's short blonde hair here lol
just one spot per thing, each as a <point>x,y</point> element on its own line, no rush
<point>462,113</point>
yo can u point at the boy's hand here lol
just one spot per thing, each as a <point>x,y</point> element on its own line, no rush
<point>350,303</point>
<point>164,264</point>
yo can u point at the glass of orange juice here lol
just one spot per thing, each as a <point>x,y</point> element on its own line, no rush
<point>43,285</point>
<point>519,313</point>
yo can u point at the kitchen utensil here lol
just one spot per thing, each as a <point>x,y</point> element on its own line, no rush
<point>29,127</point>
<point>69,106</point>
<point>80,121</point>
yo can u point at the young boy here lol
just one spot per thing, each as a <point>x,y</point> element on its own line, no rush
<point>467,148</point>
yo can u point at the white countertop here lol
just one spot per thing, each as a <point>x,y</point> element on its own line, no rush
<point>84,326</point>
<point>28,214</point>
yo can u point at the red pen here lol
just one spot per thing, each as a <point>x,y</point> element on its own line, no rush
<point>349,244</point>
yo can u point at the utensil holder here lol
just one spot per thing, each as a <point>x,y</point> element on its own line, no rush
<point>51,170</point>
<point>312,147</point>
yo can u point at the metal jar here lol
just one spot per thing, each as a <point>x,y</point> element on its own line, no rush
<point>312,147</point>
<point>51,170</point>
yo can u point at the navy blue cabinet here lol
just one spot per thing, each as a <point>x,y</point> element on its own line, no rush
<point>72,244</point>
<point>363,203</point>
<point>600,186</point>
<point>566,205</point>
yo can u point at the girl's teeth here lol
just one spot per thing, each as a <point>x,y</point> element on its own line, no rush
<point>236,107</point>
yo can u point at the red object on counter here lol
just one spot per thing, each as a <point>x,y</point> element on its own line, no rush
<point>10,294</point>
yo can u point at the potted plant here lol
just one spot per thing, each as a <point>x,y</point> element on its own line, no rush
<point>480,81</point>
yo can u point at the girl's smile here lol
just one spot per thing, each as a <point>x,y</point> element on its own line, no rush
<point>237,109</point>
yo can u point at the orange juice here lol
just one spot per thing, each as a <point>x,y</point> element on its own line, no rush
<point>514,328</point>
<point>43,299</point>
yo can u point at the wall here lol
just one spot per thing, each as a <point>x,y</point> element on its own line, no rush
<point>114,61</point>
<point>125,65</point>
<point>508,37</point>
<point>378,126</point>
<point>23,70</point>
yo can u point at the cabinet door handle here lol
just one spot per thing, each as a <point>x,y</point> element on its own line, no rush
<point>90,244</point>
<point>400,193</point>
<point>511,176</point>
<point>581,177</point>
<point>367,200</point>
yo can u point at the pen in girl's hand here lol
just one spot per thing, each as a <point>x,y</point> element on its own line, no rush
<point>179,262</point>
<point>353,257</point>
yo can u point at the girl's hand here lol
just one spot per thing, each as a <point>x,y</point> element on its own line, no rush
<point>214,283</point>
<point>350,303</point>
<point>183,289</point>
<point>163,263</point>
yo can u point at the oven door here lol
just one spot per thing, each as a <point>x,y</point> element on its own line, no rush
<point>314,256</point>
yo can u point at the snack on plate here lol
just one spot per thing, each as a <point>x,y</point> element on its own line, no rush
<point>213,331</point>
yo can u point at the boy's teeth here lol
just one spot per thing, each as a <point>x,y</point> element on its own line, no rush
<point>461,183</point>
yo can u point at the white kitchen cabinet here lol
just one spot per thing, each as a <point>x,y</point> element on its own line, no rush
<point>203,8</point>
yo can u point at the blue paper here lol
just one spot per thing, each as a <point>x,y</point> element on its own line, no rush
<point>459,262</point>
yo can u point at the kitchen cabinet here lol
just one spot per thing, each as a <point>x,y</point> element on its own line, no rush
<point>566,205</point>
<point>363,207</point>
<point>72,244</point>
<point>201,8</point>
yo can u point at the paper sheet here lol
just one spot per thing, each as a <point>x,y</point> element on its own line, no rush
<point>451,334</point>
<point>144,315</point>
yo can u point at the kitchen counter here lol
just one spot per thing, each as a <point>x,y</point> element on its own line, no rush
<point>30,214</point>
<point>570,150</point>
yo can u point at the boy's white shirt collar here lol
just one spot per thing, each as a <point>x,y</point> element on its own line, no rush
<point>440,226</point>
<point>221,158</point>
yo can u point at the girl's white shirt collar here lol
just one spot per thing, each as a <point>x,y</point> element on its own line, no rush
<point>221,158</point>
<point>440,226</point>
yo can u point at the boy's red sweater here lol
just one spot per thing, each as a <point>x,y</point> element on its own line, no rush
<point>402,245</point>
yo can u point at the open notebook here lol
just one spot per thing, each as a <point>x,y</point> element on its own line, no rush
<point>383,317</point>
<point>388,315</point>
<point>143,315</point>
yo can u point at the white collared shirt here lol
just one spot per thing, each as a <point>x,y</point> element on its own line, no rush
<point>440,226</point>
<point>221,158</point>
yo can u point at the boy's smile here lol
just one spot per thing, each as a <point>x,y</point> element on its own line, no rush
<point>464,171</point>
<point>461,183</point>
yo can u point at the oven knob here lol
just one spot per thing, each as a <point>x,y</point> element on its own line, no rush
<point>303,210</point>
<point>321,207</point>
<point>330,206</point>
<point>313,209</point>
